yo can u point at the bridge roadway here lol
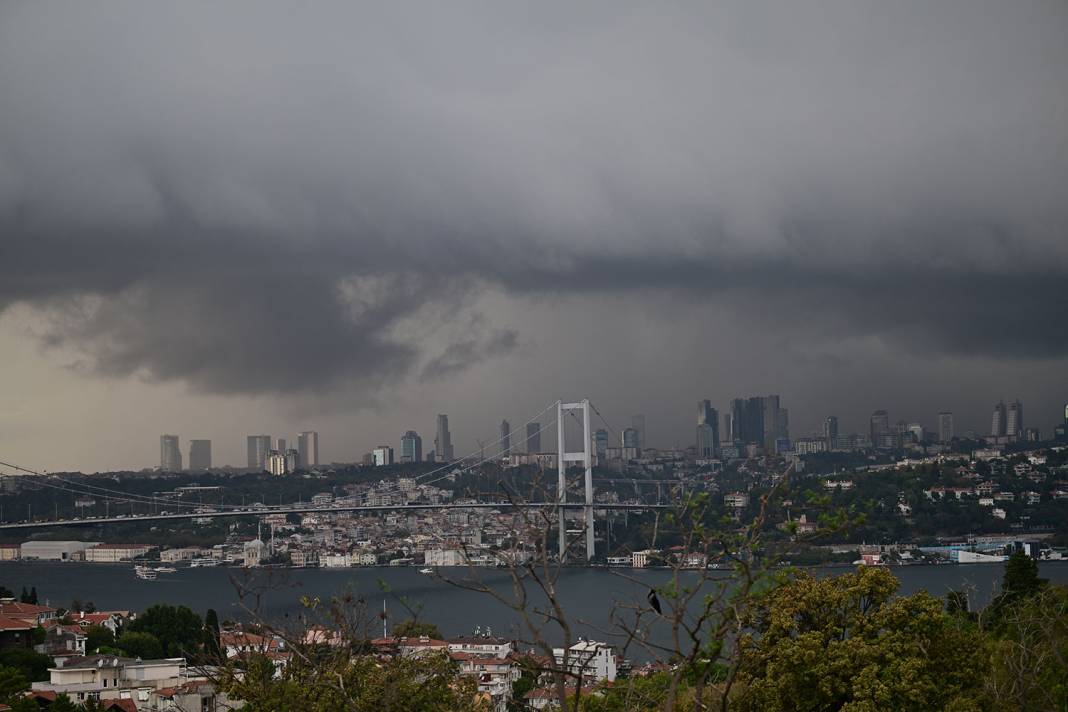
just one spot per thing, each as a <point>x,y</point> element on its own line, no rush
<point>263,511</point>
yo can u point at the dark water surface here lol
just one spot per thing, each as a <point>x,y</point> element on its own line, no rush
<point>588,595</point>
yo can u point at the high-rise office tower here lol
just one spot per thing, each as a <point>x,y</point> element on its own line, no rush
<point>830,430</point>
<point>382,455</point>
<point>199,455</point>
<point>533,437</point>
<point>880,426</point>
<point>308,449</point>
<point>630,438</point>
<point>170,456</point>
<point>1014,425</point>
<point>281,445</point>
<point>443,442</point>
<point>707,430</point>
<point>506,438</point>
<point>772,422</point>
<point>600,445</point>
<point>292,460</point>
<point>998,424</point>
<point>259,446</point>
<point>945,426</point>
<point>411,448</point>
<point>637,422</point>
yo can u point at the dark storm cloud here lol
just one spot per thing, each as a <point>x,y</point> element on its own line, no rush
<point>259,197</point>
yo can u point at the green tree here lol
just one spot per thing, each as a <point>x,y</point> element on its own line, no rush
<point>12,684</point>
<point>140,645</point>
<point>1030,652</point>
<point>24,597</point>
<point>412,628</point>
<point>32,664</point>
<point>179,628</point>
<point>96,636</point>
<point>846,643</point>
<point>356,683</point>
<point>33,596</point>
<point>63,704</point>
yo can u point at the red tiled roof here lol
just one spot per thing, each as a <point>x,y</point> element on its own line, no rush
<point>20,608</point>
<point>7,623</point>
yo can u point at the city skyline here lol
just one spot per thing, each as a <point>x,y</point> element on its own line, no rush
<point>772,199</point>
<point>882,428</point>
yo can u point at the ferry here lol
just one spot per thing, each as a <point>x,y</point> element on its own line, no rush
<point>199,563</point>
<point>145,573</point>
<point>426,571</point>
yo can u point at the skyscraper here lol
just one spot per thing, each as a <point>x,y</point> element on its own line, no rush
<point>600,445</point>
<point>830,430</point>
<point>637,422</point>
<point>630,438</point>
<point>506,438</point>
<point>1014,425</point>
<point>199,455</point>
<point>707,431</point>
<point>533,437</point>
<point>308,449</point>
<point>281,445</point>
<point>170,456</point>
<point>945,427</point>
<point>880,427</point>
<point>998,424</point>
<point>411,449</point>
<point>259,446</point>
<point>443,442</point>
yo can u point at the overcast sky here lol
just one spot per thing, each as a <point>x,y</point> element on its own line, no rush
<point>219,219</point>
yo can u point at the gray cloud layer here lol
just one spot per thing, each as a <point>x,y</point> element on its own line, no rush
<point>253,197</point>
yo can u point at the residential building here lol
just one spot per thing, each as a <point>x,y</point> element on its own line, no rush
<point>110,677</point>
<point>276,463</point>
<point>382,455</point>
<point>411,449</point>
<point>199,455</point>
<point>308,449</point>
<point>259,447</point>
<point>170,455</point>
<point>594,661</point>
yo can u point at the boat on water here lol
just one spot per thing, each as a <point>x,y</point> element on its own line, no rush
<point>426,571</point>
<point>145,573</point>
<point>201,563</point>
<point>166,570</point>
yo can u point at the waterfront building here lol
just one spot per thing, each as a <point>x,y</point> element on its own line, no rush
<point>170,455</point>
<point>113,553</point>
<point>443,441</point>
<point>411,449</point>
<point>308,449</point>
<point>199,455</point>
<point>259,447</point>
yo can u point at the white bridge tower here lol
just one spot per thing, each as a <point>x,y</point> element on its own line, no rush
<point>563,458</point>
